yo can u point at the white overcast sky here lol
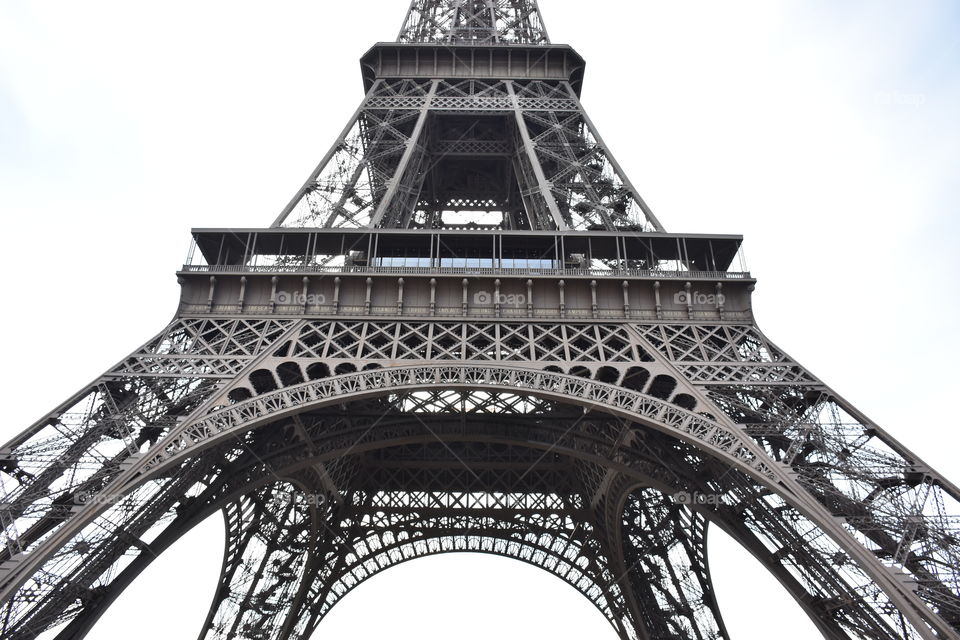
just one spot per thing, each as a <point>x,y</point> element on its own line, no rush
<point>825,131</point>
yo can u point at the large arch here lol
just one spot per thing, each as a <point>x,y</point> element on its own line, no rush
<point>226,421</point>
<point>562,563</point>
<point>700,433</point>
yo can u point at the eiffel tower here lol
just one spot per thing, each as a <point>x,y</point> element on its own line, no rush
<point>467,332</point>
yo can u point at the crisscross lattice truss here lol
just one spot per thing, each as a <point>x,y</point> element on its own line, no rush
<point>476,447</point>
<point>490,22</point>
<point>418,148</point>
<point>599,450</point>
<point>897,507</point>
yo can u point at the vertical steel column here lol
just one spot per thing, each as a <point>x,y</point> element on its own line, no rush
<point>407,154</point>
<point>534,160</point>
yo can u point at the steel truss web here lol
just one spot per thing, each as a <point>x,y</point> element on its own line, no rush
<point>380,171</point>
<point>342,442</point>
<point>490,22</point>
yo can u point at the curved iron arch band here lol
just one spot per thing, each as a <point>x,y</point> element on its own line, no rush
<point>712,437</point>
<point>286,462</point>
<point>709,435</point>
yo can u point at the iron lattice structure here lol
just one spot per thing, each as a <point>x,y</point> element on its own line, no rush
<point>467,332</point>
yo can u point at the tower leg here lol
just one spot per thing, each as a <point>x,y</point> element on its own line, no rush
<point>665,556</point>
<point>271,535</point>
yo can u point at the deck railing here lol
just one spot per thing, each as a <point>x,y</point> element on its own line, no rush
<point>472,271</point>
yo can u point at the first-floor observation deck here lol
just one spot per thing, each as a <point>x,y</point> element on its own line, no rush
<point>466,272</point>
<point>468,251</point>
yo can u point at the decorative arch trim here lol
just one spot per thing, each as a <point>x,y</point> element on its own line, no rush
<point>704,433</point>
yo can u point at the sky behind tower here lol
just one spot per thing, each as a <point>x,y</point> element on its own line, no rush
<point>826,132</point>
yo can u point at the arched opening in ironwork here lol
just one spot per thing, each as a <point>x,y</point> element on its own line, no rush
<point>346,444</point>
